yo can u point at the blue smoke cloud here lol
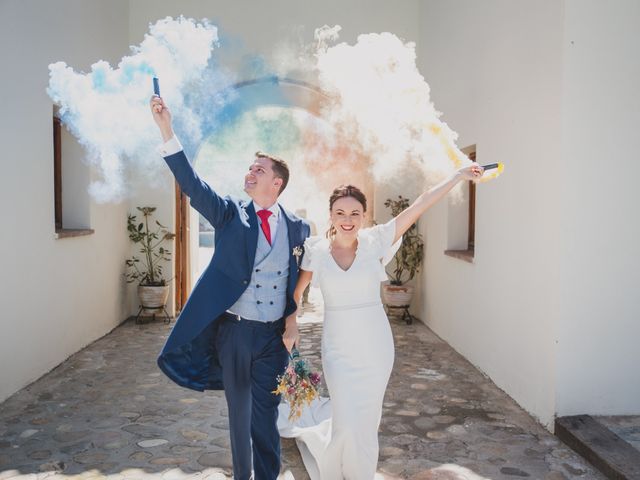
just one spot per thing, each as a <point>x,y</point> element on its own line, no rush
<point>107,109</point>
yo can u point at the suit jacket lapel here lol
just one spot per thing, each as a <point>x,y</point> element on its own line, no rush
<point>251,239</point>
<point>290,229</point>
<point>292,234</point>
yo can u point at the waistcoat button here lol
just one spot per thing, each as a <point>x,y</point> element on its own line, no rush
<point>258,302</point>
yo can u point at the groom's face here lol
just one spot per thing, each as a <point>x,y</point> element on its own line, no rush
<point>261,180</point>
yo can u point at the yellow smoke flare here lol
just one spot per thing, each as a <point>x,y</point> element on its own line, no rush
<point>491,174</point>
<point>454,155</point>
<point>450,151</point>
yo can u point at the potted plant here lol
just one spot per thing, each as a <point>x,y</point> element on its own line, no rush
<point>407,263</point>
<point>153,290</point>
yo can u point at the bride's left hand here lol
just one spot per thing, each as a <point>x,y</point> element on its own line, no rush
<point>290,337</point>
<point>471,172</point>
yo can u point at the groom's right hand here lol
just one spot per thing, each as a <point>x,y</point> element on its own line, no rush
<point>162,117</point>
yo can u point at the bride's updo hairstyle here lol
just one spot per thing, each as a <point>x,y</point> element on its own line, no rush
<point>341,192</point>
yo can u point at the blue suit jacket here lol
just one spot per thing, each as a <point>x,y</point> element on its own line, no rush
<point>189,357</point>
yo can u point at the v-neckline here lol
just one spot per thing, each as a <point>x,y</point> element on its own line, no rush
<point>355,257</point>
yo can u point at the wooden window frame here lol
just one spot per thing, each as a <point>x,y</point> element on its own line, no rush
<point>61,232</point>
<point>468,254</point>
<point>57,172</point>
<point>182,261</point>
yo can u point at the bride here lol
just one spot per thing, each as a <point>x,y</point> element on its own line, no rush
<point>339,439</point>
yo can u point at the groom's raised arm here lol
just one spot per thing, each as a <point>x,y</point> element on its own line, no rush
<point>204,199</point>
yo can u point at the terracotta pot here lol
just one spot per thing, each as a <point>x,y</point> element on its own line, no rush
<point>153,297</point>
<point>397,295</point>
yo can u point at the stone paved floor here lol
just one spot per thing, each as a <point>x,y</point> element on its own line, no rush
<point>108,412</point>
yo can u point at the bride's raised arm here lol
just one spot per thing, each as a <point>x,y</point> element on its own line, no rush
<point>410,215</point>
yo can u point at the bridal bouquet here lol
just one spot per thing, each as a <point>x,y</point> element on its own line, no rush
<point>298,385</point>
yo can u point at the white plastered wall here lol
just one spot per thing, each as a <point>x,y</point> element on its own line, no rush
<point>495,70</point>
<point>58,295</point>
<point>597,350</point>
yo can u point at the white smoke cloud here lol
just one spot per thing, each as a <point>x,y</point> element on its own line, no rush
<point>383,100</point>
<point>378,105</point>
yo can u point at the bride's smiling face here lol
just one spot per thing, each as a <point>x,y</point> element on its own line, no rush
<point>347,216</point>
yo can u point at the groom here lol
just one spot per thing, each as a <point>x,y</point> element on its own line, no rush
<point>231,333</point>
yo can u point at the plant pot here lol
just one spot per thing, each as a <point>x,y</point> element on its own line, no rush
<point>152,297</point>
<point>397,295</point>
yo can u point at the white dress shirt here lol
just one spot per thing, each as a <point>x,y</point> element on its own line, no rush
<point>170,147</point>
<point>273,218</point>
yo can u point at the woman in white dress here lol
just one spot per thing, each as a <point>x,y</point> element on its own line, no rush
<point>357,344</point>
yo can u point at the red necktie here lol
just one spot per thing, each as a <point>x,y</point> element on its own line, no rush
<point>266,228</point>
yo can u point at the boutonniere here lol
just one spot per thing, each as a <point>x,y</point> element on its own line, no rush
<point>297,252</point>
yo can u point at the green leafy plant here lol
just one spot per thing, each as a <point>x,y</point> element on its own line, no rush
<point>147,271</point>
<point>408,259</point>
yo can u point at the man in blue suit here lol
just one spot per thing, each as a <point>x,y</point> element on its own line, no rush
<point>235,329</point>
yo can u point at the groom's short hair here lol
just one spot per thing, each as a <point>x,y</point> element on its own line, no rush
<point>279,167</point>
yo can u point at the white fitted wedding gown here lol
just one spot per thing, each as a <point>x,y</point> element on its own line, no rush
<point>338,438</point>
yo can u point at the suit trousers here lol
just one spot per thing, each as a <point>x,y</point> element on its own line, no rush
<point>252,356</point>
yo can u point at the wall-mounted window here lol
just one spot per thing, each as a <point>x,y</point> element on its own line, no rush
<point>57,171</point>
<point>461,238</point>
<point>71,176</point>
